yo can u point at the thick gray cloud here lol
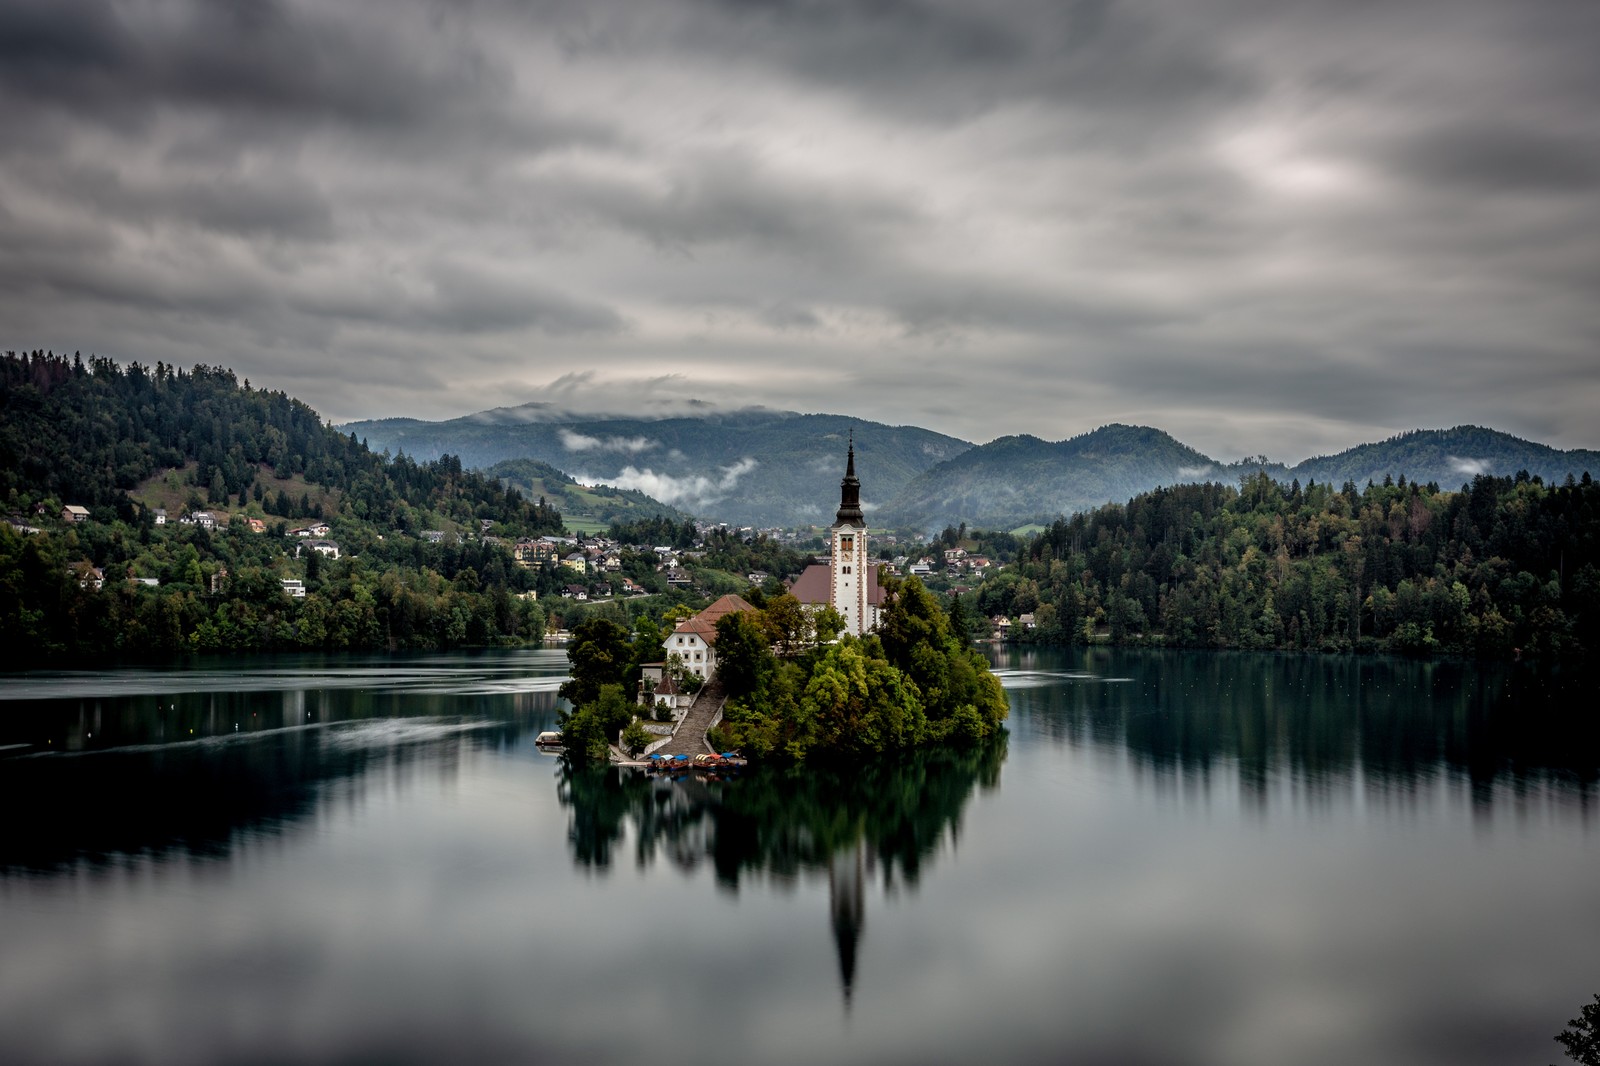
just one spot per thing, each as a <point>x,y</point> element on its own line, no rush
<point>1266,227</point>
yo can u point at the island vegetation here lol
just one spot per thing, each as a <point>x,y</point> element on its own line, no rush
<point>795,689</point>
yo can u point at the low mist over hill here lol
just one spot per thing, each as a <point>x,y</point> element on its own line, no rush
<point>595,506</point>
<point>766,467</point>
<point>756,467</point>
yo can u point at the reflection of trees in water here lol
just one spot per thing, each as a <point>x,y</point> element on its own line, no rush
<point>883,818</point>
<point>1399,722</point>
<point>200,798</point>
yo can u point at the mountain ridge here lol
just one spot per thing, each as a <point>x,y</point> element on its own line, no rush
<point>1010,481</point>
<point>762,466</point>
<point>754,466</point>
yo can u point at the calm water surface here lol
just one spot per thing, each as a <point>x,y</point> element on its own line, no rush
<point>1171,858</point>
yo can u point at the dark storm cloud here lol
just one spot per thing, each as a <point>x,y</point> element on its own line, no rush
<point>252,56</point>
<point>1268,227</point>
<point>1486,156</point>
<point>943,62</point>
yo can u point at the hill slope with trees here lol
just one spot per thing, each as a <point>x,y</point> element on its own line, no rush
<point>95,434</point>
<point>1507,563</point>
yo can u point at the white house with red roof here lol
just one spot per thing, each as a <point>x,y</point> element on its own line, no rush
<point>695,639</point>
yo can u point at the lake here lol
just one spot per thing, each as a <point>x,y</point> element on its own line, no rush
<point>1170,858</point>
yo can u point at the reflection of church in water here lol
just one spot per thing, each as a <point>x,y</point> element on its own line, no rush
<point>847,906</point>
<point>852,828</point>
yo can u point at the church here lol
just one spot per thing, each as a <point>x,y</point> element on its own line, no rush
<point>848,581</point>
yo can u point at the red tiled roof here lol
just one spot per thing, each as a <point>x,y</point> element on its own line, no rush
<point>812,586</point>
<point>704,624</point>
<point>815,585</point>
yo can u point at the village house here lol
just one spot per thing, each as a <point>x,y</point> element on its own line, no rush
<point>657,687</point>
<point>679,578</point>
<point>317,529</point>
<point>575,592</point>
<point>294,588</point>
<point>72,513</point>
<point>576,562</point>
<point>256,525</point>
<point>160,514</point>
<point>694,640</point>
<point>89,576</point>
<point>323,547</point>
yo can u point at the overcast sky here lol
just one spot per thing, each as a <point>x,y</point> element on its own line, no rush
<point>1264,226</point>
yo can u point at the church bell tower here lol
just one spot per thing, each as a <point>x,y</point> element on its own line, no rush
<point>848,551</point>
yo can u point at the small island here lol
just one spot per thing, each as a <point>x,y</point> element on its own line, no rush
<point>845,662</point>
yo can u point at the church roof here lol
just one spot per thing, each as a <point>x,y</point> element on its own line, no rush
<point>850,513</point>
<point>704,624</point>
<point>815,585</point>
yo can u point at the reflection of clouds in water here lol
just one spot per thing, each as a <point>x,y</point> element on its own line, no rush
<point>1021,679</point>
<point>539,672</point>
<point>490,687</point>
<point>348,736</point>
<point>391,732</point>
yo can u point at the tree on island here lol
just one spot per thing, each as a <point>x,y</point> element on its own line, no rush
<point>909,683</point>
<point>1582,1036</point>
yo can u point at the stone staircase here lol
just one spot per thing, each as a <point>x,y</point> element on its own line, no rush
<point>690,739</point>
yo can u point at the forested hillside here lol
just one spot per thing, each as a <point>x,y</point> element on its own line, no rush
<point>1013,480</point>
<point>1510,564</point>
<point>112,439</point>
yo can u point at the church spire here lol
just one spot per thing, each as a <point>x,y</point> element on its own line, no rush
<point>850,492</point>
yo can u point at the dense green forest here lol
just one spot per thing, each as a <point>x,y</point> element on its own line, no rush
<point>114,440</point>
<point>1507,565</point>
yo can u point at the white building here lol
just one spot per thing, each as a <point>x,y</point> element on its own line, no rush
<point>695,639</point>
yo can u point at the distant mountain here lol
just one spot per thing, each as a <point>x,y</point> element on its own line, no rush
<point>1449,456</point>
<point>1017,479</point>
<point>755,467</point>
<point>765,467</point>
<point>581,505</point>
<point>1014,479</point>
